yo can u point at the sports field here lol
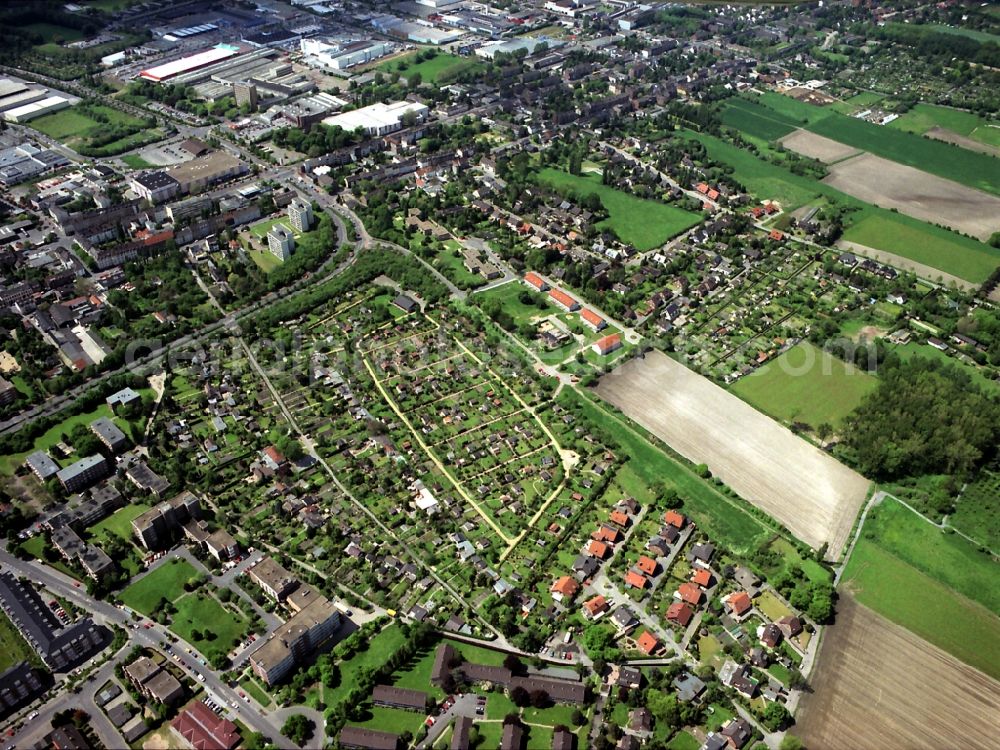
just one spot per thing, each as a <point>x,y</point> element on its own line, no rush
<point>813,495</point>
<point>806,384</point>
<point>644,224</point>
<point>438,69</point>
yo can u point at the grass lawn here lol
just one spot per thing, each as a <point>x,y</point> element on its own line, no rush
<point>377,653</point>
<point>75,127</point>
<point>13,648</point>
<point>479,654</point>
<point>200,611</point>
<point>416,675</point>
<point>265,259</point>
<point>683,741</point>
<point>709,647</point>
<point>490,733</point>
<point>806,384</point>
<point>948,558</point>
<point>440,68</point>
<point>393,720</point>
<point>780,673</point>
<point>552,716</point>
<point>753,119</point>
<point>251,686</point>
<point>931,610</point>
<point>508,295</point>
<point>859,101</point>
<point>166,581</point>
<point>499,705</point>
<point>35,547</point>
<point>961,256</point>
<point>644,224</point>
<point>721,518</point>
<point>719,716</point>
<point>454,268</point>
<point>137,162</point>
<point>771,606</point>
<point>119,523</point>
<point>50,32</point>
<point>924,117</point>
<point>261,228</point>
<point>813,570</point>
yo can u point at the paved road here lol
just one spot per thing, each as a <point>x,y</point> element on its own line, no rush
<point>154,637</point>
<point>465,705</point>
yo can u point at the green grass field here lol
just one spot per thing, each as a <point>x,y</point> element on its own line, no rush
<point>379,649</point>
<point>137,162</point>
<point>861,100</point>
<point>416,675</point>
<point>261,228</point>
<point>201,612</point>
<point>806,384</point>
<point>76,128</point>
<point>250,685</point>
<point>166,581</point>
<point>753,119</point>
<point>979,36</point>
<point>51,32</point>
<point>947,558</point>
<point>508,295</point>
<point>928,608</point>
<point>439,69</point>
<point>13,648</point>
<point>393,720</point>
<point>721,518</point>
<point>644,224</point>
<point>923,117</point>
<point>119,523</point>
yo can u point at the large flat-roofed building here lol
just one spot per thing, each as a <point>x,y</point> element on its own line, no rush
<point>83,473</point>
<point>174,68</point>
<point>58,646</point>
<point>276,582</point>
<point>18,685</point>
<point>335,56</point>
<point>155,187</point>
<point>28,112</point>
<point>300,215</point>
<point>378,118</point>
<point>281,242</point>
<point>110,435</point>
<point>302,635</point>
<point>156,527</point>
<point>206,170</point>
<point>41,465</point>
<point>154,682</point>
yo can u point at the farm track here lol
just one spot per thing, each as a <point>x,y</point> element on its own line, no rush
<point>879,685</point>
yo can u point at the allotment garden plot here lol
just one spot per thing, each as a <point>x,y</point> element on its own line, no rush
<point>813,495</point>
<point>477,430</point>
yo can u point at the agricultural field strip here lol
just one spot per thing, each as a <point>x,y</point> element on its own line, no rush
<point>878,685</point>
<point>921,195</point>
<point>813,495</point>
<point>817,147</point>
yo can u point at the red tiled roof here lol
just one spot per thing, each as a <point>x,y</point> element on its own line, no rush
<point>680,613</point>
<point>647,565</point>
<point>776,235</point>
<point>534,279</point>
<point>565,586</point>
<point>675,519</point>
<point>606,534</point>
<point>635,580</point>
<point>619,518</point>
<point>739,602</point>
<point>648,643</point>
<point>608,343</point>
<point>689,593</point>
<point>597,549</point>
<point>203,730</point>
<point>591,317</point>
<point>702,188</point>
<point>562,298</point>
<point>702,577</point>
<point>596,605</point>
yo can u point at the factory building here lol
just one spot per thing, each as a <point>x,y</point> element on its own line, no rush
<point>378,119</point>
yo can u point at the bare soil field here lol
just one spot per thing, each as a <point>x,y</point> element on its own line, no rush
<point>918,194</point>
<point>813,495</point>
<point>811,96</point>
<point>950,136</point>
<point>818,147</point>
<point>898,261</point>
<point>878,685</point>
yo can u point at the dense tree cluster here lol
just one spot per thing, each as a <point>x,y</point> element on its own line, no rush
<point>924,418</point>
